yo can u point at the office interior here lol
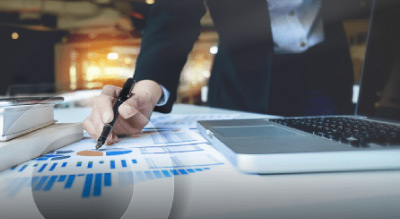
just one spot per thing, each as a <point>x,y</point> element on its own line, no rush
<point>58,47</point>
<point>73,48</point>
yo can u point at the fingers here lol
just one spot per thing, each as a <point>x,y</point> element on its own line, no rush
<point>103,103</point>
<point>111,91</point>
<point>137,102</point>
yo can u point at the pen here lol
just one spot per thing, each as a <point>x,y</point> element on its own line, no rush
<point>122,97</point>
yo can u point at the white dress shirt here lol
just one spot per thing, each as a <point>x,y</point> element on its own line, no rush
<point>296,26</point>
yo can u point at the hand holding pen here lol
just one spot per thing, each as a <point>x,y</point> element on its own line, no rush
<point>134,113</point>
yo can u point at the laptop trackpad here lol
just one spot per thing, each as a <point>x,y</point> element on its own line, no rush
<point>253,131</point>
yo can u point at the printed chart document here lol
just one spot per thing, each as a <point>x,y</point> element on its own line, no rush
<point>82,178</point>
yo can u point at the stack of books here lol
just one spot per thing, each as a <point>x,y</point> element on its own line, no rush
<point>28,130</point>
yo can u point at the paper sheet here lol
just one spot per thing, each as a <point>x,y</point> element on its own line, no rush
<point>80,175</point>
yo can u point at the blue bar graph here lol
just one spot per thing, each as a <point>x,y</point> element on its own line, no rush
<point>174,172</point>
<point>148,174</point>
<point>90,165</point>
<point>78,164</point>
<point>42,168</point>
<point>123,163</point>
<point>64,164</point>
<point>22,168</point>
<point>50,183</point>
<point>62,178</point>
<point>134,161</point>
<point>107,179</point>
<point>92,183</point>
<point>40,183</point>
<point>157,174</point>
<point>166,173</point>
<point>112,164</point>
<point>53,167</point>
<point>182,171</point>
<point>35,180</point>
<point>69,182</point>
<point>97,185</point>
<point>87,186</point>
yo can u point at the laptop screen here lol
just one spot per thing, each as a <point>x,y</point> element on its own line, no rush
<point>380,86</point>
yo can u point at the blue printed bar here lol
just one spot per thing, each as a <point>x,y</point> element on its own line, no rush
<point>40,183</point>
<point>64,164</point>
<point>62,178</point>
<point>157,174</point>
<point>183,172</point>
<point>87,186</point>
<point>174,172</point>
<point>79,163</point>
<point>190,170</point>
<point>166,173</point>
<point>199,170</point>
<point>123,163</point>
<point>97,185</point>
<point>134,161</point>
<point>42,168</point>
<point>90,165</point>
<point>69,182</point>
<point>53,167</point>
<point>22,168</point>
<point>107,179</point>
<point>148,175</point>
<point>35,180</point>
<point>50,183</point>
<point>112,164</point>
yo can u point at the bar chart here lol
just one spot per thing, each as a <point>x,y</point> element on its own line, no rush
<point>92,184</point>
<point>52,166</point>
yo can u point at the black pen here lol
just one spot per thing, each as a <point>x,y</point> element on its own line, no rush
<point>123,96</point>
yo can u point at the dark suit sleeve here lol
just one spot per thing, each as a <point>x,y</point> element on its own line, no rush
<point>172,28</point>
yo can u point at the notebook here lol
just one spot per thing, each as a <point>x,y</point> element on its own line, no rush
<point>21,119</point>
<point>368,140</point>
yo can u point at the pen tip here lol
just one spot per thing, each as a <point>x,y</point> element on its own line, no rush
<point>99,144</point>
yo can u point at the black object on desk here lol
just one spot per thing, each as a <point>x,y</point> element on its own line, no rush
<point>123,96</point>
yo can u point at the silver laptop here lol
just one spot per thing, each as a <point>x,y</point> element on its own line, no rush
<point>368,140</point>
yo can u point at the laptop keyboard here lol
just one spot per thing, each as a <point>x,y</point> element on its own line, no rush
<point>356,132</point>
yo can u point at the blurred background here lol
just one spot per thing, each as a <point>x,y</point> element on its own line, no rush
<point>75,47</point>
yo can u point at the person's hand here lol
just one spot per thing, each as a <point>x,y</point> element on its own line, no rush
<point>134,112</point>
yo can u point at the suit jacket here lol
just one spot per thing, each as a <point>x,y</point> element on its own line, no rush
<point>242,69</point>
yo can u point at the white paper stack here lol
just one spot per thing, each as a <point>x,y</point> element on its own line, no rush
<point>21,119</point>
<point>39,142</point>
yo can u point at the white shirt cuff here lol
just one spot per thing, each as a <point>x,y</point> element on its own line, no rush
<point>164,97</point>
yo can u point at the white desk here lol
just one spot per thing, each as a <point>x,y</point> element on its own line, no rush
<point>231,194</point>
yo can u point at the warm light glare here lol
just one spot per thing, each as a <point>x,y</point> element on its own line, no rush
<point>214,50</point>
<point>128,61</point>
<point>150,2</point>
<point>92,73</point>
<point>14,35</point>
<point>72,78</point>
<point>112,56</point>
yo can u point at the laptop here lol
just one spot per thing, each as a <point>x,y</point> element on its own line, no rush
<point>368,140</point>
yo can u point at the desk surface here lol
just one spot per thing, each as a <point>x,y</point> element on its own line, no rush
<point>216,192</point>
